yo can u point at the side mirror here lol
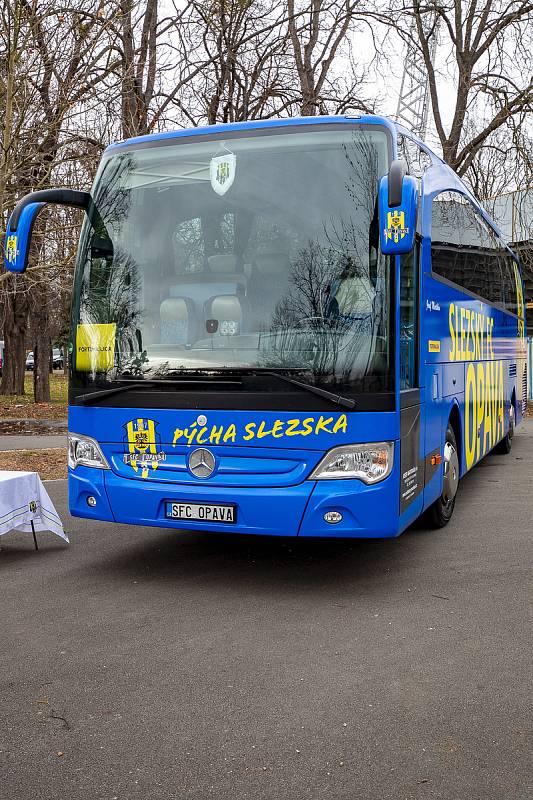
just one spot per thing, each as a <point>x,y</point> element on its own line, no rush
<point>20,225</point>
<point>18,240</point>
<point>398,206</point>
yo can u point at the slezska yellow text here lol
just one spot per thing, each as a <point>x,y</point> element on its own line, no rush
<point>220,434</point>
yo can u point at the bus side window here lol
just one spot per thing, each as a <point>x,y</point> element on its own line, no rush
<point>509,283</point>
<point>416,158</point>
<point>408,319</point>
<point>465,250</point>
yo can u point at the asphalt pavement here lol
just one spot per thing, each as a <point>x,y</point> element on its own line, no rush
<point>31,442</point>
<point>141,663</point>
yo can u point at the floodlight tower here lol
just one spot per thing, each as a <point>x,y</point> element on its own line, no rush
<point>413,102</point>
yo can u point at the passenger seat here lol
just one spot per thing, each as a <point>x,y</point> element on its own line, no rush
<point>227,310</point>
<point>178,321</point>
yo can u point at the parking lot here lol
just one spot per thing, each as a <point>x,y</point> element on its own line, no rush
<point>141,663</point>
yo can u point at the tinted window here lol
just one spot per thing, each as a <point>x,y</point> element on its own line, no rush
<point>259,254</point>
<point>408,319</point>
<point>465,250</point>
<point>509,282</point>
<point>416,158</point>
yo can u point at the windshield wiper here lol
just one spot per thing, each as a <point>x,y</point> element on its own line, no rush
<point>338,399</point>
<point>215,380</point>
<point>94,397</point>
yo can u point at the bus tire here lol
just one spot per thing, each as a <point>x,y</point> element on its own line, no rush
<point>503,448</point>
<point>440,513</point>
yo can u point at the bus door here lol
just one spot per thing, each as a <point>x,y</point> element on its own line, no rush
<point>411,405</point>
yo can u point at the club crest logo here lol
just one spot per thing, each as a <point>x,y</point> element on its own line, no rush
<point>222,172</point>
<point>142,446</point>
<point>11,249</point>
<point>32,506</point>
<point>396,229</point>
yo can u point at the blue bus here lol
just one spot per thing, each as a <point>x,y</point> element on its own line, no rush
<point>301,327</point>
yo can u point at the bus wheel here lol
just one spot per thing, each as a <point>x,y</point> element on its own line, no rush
<point>504,447</point>
<point>440,513</point>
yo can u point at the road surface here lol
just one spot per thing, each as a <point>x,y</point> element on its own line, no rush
<point>140,663</point>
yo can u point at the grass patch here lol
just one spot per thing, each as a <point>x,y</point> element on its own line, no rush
<point>48,463</point>
<point>22,406</point>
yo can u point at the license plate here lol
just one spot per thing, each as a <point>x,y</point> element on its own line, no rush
<point>203,512</point>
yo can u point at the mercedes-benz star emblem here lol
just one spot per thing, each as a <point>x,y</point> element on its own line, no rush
<point>202,463</point>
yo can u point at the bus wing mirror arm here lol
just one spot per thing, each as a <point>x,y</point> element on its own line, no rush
<point>21,221</point>
<point>398,208</point>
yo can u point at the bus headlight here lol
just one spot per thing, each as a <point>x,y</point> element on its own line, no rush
<point>369,463</point>
<point>84,451</point>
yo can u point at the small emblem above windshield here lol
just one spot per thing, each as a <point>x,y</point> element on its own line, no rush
<point>222,172</point>
<point>201,419</point>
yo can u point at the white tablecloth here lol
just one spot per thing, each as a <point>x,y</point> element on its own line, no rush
<point>24,499</point>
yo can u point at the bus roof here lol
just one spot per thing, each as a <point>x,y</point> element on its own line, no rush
<point>206,130</point>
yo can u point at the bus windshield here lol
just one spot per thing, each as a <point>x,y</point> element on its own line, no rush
<point>245,253</point>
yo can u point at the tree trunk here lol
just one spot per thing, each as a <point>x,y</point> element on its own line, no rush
<point>41,367</point>
<point>41,346</point>
<point>15,328</point>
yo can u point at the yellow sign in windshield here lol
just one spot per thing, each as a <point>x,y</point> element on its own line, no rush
<point>95,347</point>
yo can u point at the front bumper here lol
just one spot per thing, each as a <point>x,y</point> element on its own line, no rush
<point>367,511</point>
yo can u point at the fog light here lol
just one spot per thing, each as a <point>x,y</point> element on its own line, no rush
<point>91,501</point>
<point>332,517</point>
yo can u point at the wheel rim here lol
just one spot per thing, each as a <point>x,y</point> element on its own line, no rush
<point>451,473</point>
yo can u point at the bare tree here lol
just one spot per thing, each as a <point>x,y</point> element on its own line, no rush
<point>246,73</point>
<point>319,32</point>
<point>65,56</point>
<point>488,47</point>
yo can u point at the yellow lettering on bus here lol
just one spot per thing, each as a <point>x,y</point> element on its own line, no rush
<point>201,433</point>
<point>489,392</point>
<point>230,434</point>
<point>468,315</point>
<point>470,424</point>
<point>322,423</point>
<point>501,421</point>
<point>307,426</point>
<point>190,434</point>
<point>291,428</point>
<point>277,429</point>
<point>250,430</point>
<point>480,405</point>
<point>477,348</point>
<point>216,433</point>
<point>493,380</point>
<point>341,424</point>
<point>261,432</point>
<point>452,331</point>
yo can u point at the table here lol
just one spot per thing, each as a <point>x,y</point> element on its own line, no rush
<point>26,506</point>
